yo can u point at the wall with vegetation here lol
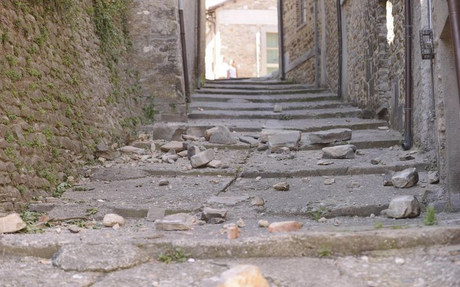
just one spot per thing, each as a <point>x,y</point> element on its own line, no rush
<point>65,86</point>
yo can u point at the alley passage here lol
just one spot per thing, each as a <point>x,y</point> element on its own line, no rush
<point>262,169</point>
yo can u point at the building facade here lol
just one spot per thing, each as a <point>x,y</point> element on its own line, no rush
<point>245,32</point>
<point>362,51</point>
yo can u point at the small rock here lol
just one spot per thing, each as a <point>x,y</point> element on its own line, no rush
<point>376,161</point>
<point>240,223</point>
<point>233,232</point>
<point>202,158</point>
<point>406,178</point>
<point>216,221</point>
<point>406,206</point>
<point>74,229</point>
<point>329,181</point>
<point>324,162</point>
<point>111,219</point>
<point>388,177</point>
<point>399,261</point>
<point>243,276</point>
<point>257,201</point>
<point>175,222</point>
<point>287,226</point>
<point>372,215</point>
<point>163,182</point>
<point>11,223</point>
<point>383,128</point>
<point>258,178</point>
<point>353,185</point>
<point>192,150</point>
<point>116,227</point>
<point>339,152</point>
<point>220,135</point>
<point>263,147</point>
<point>215,164</point>
<point>433,177</point>
<point>282,186</point>
<point>406,157</point>
<point>277,108</point>
<point>174,145</point>
<point>330,136</point>
<point>264,223</point>
<point>209,213</point>
<point>133,150</point>
<point>322,220</point>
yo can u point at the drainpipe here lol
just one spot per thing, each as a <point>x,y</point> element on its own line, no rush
<point>316,47</point>
<point>408,76</point>
<point>454,15</point>
<point>184,51</point>
<point>340,58</point>
<point>281,38</point>
<point>198,45</point>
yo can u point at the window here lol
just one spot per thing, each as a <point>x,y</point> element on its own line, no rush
<point>272,59</point>
<point>301,12</point>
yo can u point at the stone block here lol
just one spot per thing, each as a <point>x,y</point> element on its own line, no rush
<point>177,146</point>
<point>11,223</point>
<point>209,213</point>
<point>330,136</point>
<point>339,152</point>
<point>406,206</point>
<point>155,213</point>
<point>175,222</point>
<point>220,135</point>
<point>289,139</point>
<point>406,178</point>
<point>203,158</point>
<point>168,132</point>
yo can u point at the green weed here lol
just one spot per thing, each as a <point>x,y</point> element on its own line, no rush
<point>174,256</point>
<point>430,217</point>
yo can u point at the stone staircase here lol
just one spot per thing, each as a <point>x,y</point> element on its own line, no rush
<point>248,106</point>
<point>339,203</point>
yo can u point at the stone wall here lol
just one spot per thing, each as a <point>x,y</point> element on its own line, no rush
<point>299,43</point>
<point>64,87</point>
<point>156,54</point>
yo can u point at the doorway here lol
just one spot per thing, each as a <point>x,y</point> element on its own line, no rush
<point>241,34</point>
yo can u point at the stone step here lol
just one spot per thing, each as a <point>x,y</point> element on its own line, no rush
<point>362,139</point>
<point>256,86</point>
<point>247,81</point>
<point>257,125</point>
<point>288,106</point>
<point>305,164</point>
<point>311,197</point>
<point>264,98</point>
<point>258,92</point>
<point>289,115</point>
